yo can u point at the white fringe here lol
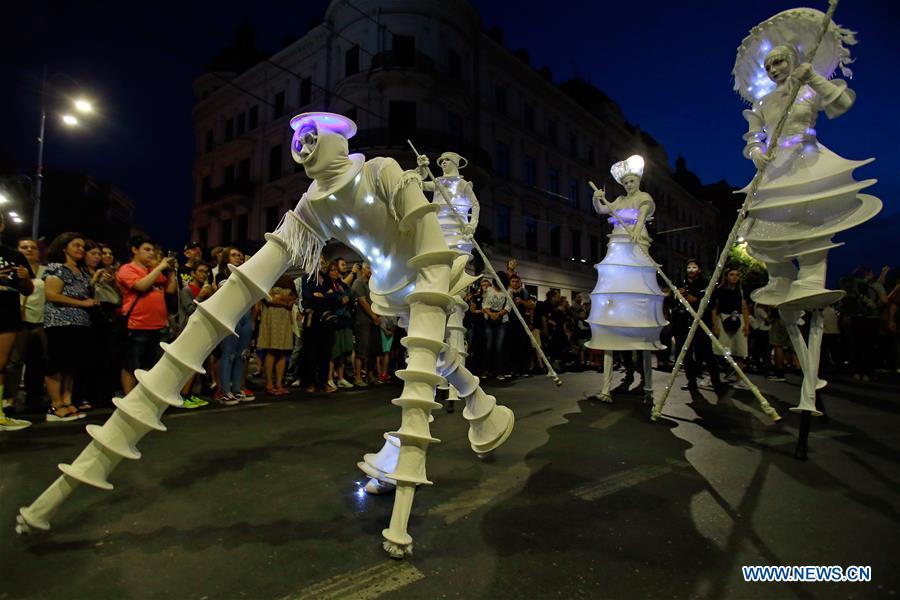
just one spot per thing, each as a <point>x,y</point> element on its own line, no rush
<point>407,178</point>
<point>303,245</point>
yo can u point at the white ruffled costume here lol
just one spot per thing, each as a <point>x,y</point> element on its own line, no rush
<point>626,304</point>
<point>808,193</point>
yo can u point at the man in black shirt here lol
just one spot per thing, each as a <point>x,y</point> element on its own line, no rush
<point>700,351</point>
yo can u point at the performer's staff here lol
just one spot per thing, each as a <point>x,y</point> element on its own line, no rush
<point>490,268</point>
<point>657,408</point>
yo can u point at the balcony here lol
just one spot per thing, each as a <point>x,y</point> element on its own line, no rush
<point>429,141</point>
<point>236,190</point>
<point>389,60</point>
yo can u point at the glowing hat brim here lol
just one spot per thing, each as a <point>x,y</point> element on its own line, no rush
<point>325,120</point>
<point>797,27</point>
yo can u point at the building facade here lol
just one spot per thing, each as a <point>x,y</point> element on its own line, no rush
<point>426,71</point>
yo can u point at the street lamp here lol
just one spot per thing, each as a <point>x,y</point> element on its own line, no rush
<point>81,105</point>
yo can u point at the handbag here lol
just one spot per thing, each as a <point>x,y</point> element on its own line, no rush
<point>731,323</point>
<point>329,319</point>
<point>120,326</point>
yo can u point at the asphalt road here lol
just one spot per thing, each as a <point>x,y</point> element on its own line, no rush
<point>585,500</point>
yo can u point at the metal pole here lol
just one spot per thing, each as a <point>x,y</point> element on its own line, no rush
<point>36,217</point>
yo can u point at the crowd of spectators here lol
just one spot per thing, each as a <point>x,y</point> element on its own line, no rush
<point>77,327</point>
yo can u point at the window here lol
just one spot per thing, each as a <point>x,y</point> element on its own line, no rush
<point>590,154</point>
<point>351,61</point>
<point>531,232</point>
<point>278,109</point>
<point>503,223</point>
<point>594,249</point>
<point>528,116</point>
<point>501,155</point>
<point>402,120</point>
<point>573,193</point>
<point>225,232</point>
<point>242,228</point>
<point>253,118</point>
<point>501,100</point>
<point>229,175</point>
<point>455,125</point>
<point>551,131</point>
<point>404,50</point>
<point>208,143</point>
<point>305,91</point>
<point>553,180</point>
<point>530,171</point>
<point>554,239</point>
<point>576,244</point>
<point>271,218</point>
<point>454,64</point>
<point>573,145</point>
<point>206,188</point>
<point>243,173</point>
<point>241,124</point>
<point>229,130</point>
<point>275,163</point>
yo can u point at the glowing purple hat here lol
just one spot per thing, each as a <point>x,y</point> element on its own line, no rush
<point>325,120</point>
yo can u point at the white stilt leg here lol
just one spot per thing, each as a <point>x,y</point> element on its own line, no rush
<point>648,377</point>
<point>139,412</point>
<point>605,394</point>
<point>805,354</point>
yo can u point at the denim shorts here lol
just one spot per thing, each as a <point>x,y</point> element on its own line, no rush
<point>142,349</point>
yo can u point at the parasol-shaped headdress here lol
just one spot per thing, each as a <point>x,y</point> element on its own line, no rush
<point>799,28</point>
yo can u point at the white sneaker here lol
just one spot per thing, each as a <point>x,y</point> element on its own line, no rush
<point>11,424</point>
<point>330,384</point>
<point>344,383</point>
<point>375,487</point>
<point>295,383</point>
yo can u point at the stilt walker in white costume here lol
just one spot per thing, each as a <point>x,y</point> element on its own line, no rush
<point>626,304</point>
<point>380,211</point>
<point>807,193</point>
<point>458,233</point>
<point>458,224</point>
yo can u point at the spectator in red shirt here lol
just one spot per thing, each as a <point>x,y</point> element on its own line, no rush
<point>144,288</point>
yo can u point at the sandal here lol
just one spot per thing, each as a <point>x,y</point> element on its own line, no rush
<point>73,411</point>
<point>84,405</point>
<point>281,391</point>
<point>53,414</point>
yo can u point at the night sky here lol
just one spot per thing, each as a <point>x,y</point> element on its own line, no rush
<point>667,64</point>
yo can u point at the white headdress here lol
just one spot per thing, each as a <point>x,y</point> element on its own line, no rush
<point>460,161</point>
<point>798,28</point>
<point>633,165</point>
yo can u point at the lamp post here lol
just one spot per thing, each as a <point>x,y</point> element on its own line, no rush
<point>81,105</point>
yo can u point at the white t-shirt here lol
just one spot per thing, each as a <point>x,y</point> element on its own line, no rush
<point>496,301</point>
<point>34,302</point>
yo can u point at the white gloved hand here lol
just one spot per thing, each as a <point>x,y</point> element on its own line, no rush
<point>598,198</point>
<point>422,163</point>
<point>759,158</point>
<point>469,231</point>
